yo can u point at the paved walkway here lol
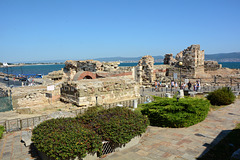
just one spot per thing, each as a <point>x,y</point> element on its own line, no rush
<point>159,143</point>
<point>183,143</point>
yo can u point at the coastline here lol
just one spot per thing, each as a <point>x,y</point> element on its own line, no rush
<point>34,64</point>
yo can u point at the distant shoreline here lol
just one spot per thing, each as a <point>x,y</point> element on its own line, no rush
<point>33,64</point>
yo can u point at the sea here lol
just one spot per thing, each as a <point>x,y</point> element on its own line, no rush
<point>29,70</point>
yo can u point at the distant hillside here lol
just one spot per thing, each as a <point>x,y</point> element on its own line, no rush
<point>224,57</point>
<point>128,59</point>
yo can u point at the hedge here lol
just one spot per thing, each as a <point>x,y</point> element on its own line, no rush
<point>222,96</point>
<point>65,138</point>
<point>118,125</point>
<point>167,112</point>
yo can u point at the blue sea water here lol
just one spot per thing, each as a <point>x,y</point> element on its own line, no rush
<point>32,69</point>
<point>45,69</point>
<point>232,65</point>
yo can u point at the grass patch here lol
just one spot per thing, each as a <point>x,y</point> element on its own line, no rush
<point>226,147</point>
<point>1,131</point>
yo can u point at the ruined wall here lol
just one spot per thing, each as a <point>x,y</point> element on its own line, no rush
<point>73,67</point>
<point>192,60</point>
<point>211,66</point>
<point>56,75</point>
<point>107,90</point>
<point>192,56</point>
<point>31,96</point>
<point>168,59</point>
<point>160,72</point>
<point>144,70</point>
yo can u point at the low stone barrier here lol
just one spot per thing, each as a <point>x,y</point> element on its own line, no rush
<point>19,124</point>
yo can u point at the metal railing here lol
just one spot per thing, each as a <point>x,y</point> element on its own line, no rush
<point>19,124</point>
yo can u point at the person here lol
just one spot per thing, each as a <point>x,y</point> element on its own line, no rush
<point>198,86</point>
<point>156,85</point>
<point>172,84</point>
<point>184,86</point>
<point>195,87</point>
<point>176,85</point>
<point>189,85</point>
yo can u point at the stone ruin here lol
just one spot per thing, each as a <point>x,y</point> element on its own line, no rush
<point>99,91</point>
<point>211,66</point>
<point>83,80</point>
<point>168,59</point>
<point>191,57</point>
<point>145,70</point>
<point>192,60</point>
<point>91,66</point>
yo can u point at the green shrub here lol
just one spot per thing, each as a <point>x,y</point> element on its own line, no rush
<point>93,109</point>
<point>118,125</point>
<point>1,131</point>
<point>167,112</point>
<point>223,96</point>
<point>65,138</point>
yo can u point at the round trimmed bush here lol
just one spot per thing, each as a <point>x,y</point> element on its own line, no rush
<point>223,96</point>
<point>65,138</point>
<point>167,112</point>
<point>118,125</point>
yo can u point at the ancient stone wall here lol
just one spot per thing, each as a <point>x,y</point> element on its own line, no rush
<point>160,72</point>
<point>192,56</point>
<point>104,90</point>
<point>192,60</point>
<point>211,66</point>
<point>30,96</point>
<point>56,75</point>
<point>74,67</point>
<point>168,59</point>
<point>144,70</point>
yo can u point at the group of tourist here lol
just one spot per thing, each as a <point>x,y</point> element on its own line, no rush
<point>196,86</point>
<point>184,86</point>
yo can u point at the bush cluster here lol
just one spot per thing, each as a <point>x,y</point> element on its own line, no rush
<point>1,131</point>
<point>167,112</point>
<point>67,138</point>
<point>222,96</point>
<point>118,125</point>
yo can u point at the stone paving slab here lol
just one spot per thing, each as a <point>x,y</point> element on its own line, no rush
<point>160,143</point>
<point>13,149</point>
<point>183,143</point>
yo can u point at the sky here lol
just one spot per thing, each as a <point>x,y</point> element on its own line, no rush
<point>39,30</point>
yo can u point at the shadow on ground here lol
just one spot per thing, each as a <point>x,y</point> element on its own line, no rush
<point>33,151</point>
<point>223,146</point>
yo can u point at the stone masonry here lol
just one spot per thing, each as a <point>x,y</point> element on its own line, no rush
<point>192,56</point>
<point>145,70</point>
<point>89,92</point>
<point>168,59</point>
<point>211,66</point>
<point>192,60</point>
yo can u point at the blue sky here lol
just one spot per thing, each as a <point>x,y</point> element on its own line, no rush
<point>32,30</point>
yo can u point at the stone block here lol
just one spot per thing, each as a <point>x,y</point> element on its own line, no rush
<point>168,95</point>
<point>24,110</point>
<point>181,93</point>
<point>26,138</point>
